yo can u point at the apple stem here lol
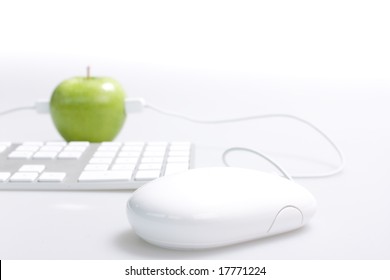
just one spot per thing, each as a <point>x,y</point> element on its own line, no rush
<point>88,72</point>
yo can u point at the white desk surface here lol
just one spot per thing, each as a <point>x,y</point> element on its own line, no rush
<point>353,218</point>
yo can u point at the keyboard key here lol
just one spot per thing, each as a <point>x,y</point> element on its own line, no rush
<point>127,160</point>
<point>75,148</point>
<point>157,143</point>
<point>118,166</point>
<point>52,177</point>
<point>24,177</point>
<point>4,176</point>
<point>100,160</point>
<point>132,148</point>
<point>153,153</point>
<point>70,155</point>
<point>178,159</point>
<point>23,148</point>
<point>108,148</point>
<point>173,168</point>
<point>104,154</point>
<point>179,153</point>
<point>20,155</point>
<point>155,149</point>
<point>129,154</point>
<point>32,168</point>
<point>152,160</point>
<point>150,166</point>
<point>96,167</point>
<point>51,148</point>
<point>3,148</point>
<point>105,176</point>
<point>45,155</point>
<point>147,175</point>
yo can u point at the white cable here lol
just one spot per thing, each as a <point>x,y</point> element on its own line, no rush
<point>16,109</point>
<point>285,174</point>
<point>299,176</point>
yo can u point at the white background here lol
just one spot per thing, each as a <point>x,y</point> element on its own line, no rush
<point>326,61</point>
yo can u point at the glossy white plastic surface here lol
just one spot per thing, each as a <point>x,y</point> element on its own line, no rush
<point>217,206</point>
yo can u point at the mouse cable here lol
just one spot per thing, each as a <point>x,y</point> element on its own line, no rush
<point>41,106</point>
<point>16,110</point>
<point>240,119</point>
<point>276,165</point>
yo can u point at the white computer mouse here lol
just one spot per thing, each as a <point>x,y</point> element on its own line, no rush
<point>217,206</point>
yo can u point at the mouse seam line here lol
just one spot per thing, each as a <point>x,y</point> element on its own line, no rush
<point>277,214</point>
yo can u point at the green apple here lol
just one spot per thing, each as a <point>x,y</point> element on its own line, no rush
<point>88,108</point>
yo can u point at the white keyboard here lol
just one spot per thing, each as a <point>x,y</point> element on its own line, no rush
<point>89,166</point>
